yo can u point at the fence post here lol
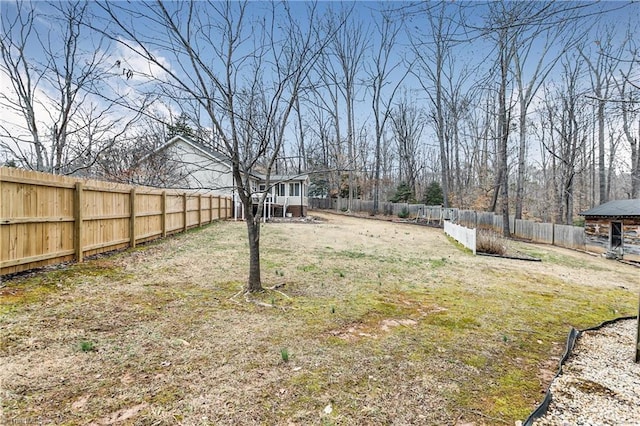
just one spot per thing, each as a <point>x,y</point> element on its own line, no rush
<point>220,207</point>
<point>77,213</point>
<point>638,337</point>
<point>475,240</point>
<point>184,211</point>
<point>164,214</point>
<point>132,217</point>
<point>199,210</point>
<point>210,208</point>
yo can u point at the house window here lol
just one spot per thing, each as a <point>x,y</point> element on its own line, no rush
<point>262,187</point>
<point>294,189</point>
<point>280,190</point>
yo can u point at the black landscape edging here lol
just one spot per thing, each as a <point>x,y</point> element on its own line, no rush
<point>541,410</point>
<point>528,259</point>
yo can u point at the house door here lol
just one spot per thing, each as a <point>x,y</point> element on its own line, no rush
<point>616,236</point>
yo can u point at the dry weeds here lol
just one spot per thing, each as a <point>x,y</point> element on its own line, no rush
<point>384,324</point>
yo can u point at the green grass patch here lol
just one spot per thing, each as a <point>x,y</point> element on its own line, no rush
<point>87,346</point>
<point>350,254</point>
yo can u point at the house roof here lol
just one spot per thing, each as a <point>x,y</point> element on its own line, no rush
<point>282,178</point>
<point>214,155</point>
<point>615,208</point>
<point>221,158</point>
<point>209,153</point>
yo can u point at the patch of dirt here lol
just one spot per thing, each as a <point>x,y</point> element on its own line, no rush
<point>11,291</point>
<point>372,331</point>
<point>548,371</point>
<point>121,415</point>
<point>306,219</point>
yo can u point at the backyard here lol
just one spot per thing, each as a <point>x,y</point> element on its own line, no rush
<point>367,322</point>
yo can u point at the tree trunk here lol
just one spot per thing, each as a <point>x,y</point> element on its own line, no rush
<point>635,154</point>
<point>350,147</point>
<point>503,118</point>
<point>568,196</point>
<point>444,160</point>
<point>521,161</point>
<point>635,168</point>
<point>602,174</point>
<point>253,231</point>
<point>376,190</point>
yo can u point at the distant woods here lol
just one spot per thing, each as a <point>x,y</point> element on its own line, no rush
<point>525,108</point>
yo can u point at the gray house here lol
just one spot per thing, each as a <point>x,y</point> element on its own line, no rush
<point>201,167</point>
<point>614,227</point>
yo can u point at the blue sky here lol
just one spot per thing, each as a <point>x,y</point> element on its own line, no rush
<point>477,54</point>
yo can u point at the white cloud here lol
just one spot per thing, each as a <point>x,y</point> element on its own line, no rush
<point>143,70</point>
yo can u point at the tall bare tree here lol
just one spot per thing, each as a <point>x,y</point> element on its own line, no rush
<point>565,115</point>
<point>435,69</point>
<point>602,61</point>
<point>630,108</point>
<point>513,27</point>
<point>244,70</point>
<point>347,50</point>
<point>55,75</point>
<point>408,125</point>
<point>540,48</point>
<point>379,73</point>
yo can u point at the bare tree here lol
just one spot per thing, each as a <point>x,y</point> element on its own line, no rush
<point>539,49</point>
<point>602,69</point>
<point>565,115</point>
<point>326,112</point>
<point>629,111</point>
<point>407,126</point>
<point>348,49</point>
<point>503,24</point>
<point>379,72</point>
<point>66,126</point>
<point>512,25</point>
<point>627,102</point>
<point>435,65</point>
<point>245,75</point>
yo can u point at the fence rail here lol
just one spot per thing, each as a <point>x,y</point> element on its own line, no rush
<point>560,235</point>
<point>47,219</point>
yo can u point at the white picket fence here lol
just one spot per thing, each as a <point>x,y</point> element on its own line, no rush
<point>465,236</point>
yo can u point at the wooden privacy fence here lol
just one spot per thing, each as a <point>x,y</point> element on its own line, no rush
<point>559,235</point>
<point>47,219</point>
<point>567,236</point>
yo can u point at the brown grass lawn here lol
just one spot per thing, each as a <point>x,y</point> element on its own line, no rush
<point>382,323</point>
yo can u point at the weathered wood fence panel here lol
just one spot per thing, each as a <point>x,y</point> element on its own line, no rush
<point>569,236</point>
<point>467,218</point>
<point>47,219</point>
<point>537,232</point>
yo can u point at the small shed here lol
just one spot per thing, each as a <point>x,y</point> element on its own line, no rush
<point>614,228</point>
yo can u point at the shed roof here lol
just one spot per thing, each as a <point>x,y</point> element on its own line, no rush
<point>615,208</point>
